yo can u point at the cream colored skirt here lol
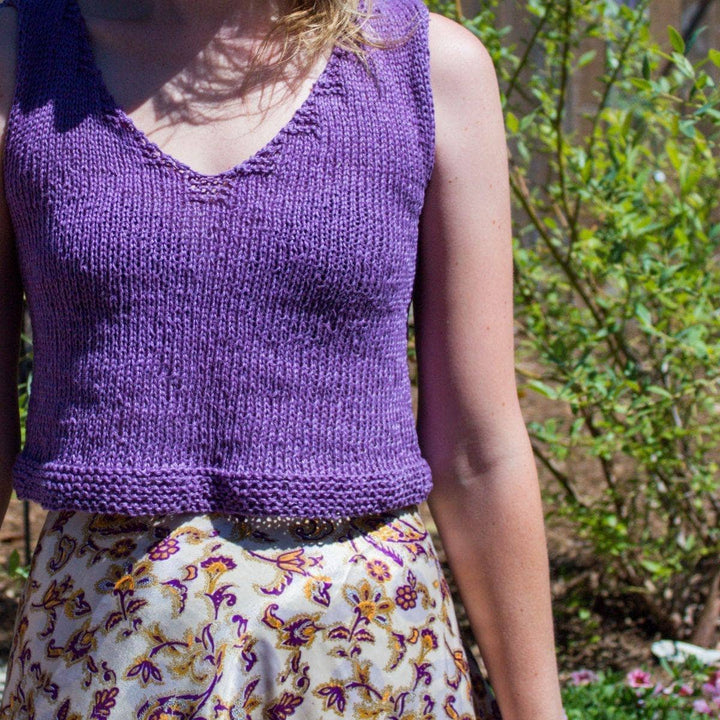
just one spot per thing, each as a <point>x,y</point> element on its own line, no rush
<point>210,617</point>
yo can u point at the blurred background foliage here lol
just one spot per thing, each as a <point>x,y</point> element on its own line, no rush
<point>613,142</point>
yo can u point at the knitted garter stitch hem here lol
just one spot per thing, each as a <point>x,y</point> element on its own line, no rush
<point>184,489</point>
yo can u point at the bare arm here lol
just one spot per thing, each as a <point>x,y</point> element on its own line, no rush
<point>486,498</point>
<point>10,284</point>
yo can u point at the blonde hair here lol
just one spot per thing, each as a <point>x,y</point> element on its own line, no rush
<point>307,27</point>
<point>304,29</point>
<point>311,25</point>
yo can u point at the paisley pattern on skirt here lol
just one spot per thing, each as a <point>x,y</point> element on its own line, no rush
<point>226,617</point>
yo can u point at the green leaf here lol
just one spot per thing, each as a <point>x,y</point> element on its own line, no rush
<point>684,65</point>
<point>673,154</point>
<point>586,58</point>
<point>659,391</point>
<point>641,84</point>
<point>511,122</point>
<point>646,67</point>
<point>714,56</point>
<point>576,427</point>
<point>543,389</point>
<point>676,39</point>
<point>643,314</point>
<point>687,128</point>
<point>654,567</point>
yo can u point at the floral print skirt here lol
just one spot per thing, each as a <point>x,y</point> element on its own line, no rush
<point>212,616</point>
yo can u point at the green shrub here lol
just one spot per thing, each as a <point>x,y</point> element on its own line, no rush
<point>617,287</point>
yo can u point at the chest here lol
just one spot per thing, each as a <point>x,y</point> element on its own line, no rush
<point>196,95</point>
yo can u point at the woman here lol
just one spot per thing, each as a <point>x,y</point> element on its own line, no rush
<point>213,209</point>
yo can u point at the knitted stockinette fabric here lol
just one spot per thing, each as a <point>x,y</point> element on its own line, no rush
<point>228,343</point>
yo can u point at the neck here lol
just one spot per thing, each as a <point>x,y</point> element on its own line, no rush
<point>252,15</point>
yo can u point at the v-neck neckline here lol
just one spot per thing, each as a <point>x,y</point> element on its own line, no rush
<point>258,161</point>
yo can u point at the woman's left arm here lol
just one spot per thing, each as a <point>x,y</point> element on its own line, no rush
<point>485,499</point>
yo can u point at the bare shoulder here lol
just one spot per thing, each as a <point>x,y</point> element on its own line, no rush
<point>8,33</point>
<point>459,62</point>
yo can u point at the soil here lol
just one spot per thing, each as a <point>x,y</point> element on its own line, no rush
<point>612,638</point>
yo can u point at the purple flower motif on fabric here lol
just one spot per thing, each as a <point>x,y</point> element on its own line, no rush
<point>406,597</point>
<point>218,564</point>
<point>285,707</point>
<point>104,703</point>
<point>333,694</point>
<point>147,670</point>
<point>299,632</point>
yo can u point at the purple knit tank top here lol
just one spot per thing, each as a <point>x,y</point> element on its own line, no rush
<point>229,343</point>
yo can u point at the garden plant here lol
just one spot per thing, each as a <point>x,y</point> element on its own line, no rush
<point>617,256</point>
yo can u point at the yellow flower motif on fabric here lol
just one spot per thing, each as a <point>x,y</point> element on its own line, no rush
<point>122,548</point>
<point>378,569</point>
<point>125,578</point>
<point>218,564</point>
<point>290,563</point>
<point>126,582</point>
<point>451,712</point>
<point>299,630</point>
<point>285,706</point>
<point>145,670</point>
<point>56,594</point>
<point>295,561</point>
<point>196,658</point>
<point>78,645</point>
<point>333,696</point>
<point>428,640</point>
<point>317,589</point>
<point>406,597</point>
<point>369,603</point>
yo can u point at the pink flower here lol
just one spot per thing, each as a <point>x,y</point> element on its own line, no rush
<point>685,690</point>
<point>583,677</point>
<point>639,679</point>
<point>700,706</point>
<point>711,688</point>
<point>658,689</point>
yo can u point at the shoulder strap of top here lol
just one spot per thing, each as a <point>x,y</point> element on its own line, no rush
<point>38,22</point>
<point>48,57</point>
<point>405,24</point>
<point>422,89</point>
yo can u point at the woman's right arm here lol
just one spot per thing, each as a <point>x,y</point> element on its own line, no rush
<point>10,283</point>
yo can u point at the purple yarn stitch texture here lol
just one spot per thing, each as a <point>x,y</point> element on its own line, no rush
<point>219,343</point>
